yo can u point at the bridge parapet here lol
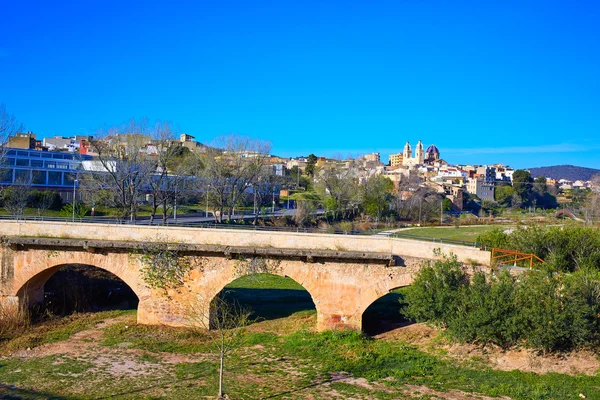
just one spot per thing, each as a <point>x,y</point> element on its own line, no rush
<point>254,239</point>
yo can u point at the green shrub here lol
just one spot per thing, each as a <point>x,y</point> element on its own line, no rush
<point>45,200</point>
<point>487,312</point>
<point>81,210</point>
<point>435,293</point>
<point>494,238</point>
<point>559,312</point>
<point>544,310</point>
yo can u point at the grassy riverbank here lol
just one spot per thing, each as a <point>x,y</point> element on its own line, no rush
<point>107,355</point>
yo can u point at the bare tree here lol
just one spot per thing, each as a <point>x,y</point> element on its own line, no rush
<point>338,189</point>
<point>305,210</point>
<point>44,200</point>
<point>591,206</point>
<point>124,165</point>
<point>263,188</point>
<point>16,197</point>
<point>165,183</point>
<point>230,167</point>
<point>420,204</point>
<point>8,127</point>
<point>165,266</point>
<point>224,323</point>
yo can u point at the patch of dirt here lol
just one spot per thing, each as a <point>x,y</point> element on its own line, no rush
<point>418,391</point>
<point>574,363</point>
<point>77,345</point>
<point>414,333</point>
<point>119,361</point>
<point>349,379</point>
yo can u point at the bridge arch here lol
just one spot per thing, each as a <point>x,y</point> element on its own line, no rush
<point>378,290</point>
<point>267,296</point>
<point>80,286</point>
<point>383,314</point>
<point>33,268</point>
<point>226,272</point>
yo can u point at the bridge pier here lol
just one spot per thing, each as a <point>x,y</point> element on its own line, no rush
<point>337,321</point>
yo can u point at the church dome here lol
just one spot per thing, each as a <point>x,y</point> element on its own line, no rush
<point>432,149</point>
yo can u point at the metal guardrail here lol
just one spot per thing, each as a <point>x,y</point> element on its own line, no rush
<point>434,240</point>
<point>199,224</point>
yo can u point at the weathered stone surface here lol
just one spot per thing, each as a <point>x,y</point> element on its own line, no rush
<point>343,274</point>
<point>233,237</point>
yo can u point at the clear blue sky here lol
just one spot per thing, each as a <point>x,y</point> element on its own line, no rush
<point>516,82</point>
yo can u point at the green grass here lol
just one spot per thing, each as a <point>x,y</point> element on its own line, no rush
<point>269,296</point>
<point>279,358</point>
<point>314,357</point>
<point>166,339</point>
<point>33,212</point>
<point>378,359</point>
<point>462,233</point>
<point>265,281</point>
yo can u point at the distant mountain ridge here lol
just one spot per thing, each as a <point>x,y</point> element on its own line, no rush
<point>570,172</point>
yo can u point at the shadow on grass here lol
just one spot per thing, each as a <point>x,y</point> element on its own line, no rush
<point>10,392</point>
<point>341,378</point>
<point>384,315</point>
<point>269,304</point>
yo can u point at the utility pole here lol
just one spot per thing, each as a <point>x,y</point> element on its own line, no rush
<point>442,212</point>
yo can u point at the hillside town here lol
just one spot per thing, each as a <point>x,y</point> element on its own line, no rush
<point>55,163</point>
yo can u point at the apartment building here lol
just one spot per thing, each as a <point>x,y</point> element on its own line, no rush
<point>481,188</point>
<point>396,159</point>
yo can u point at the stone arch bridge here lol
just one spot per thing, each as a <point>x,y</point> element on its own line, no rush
<point>343,274</point>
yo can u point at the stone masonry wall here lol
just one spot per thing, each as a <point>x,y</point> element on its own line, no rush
<point>232,237</point>
<point>341,291</point>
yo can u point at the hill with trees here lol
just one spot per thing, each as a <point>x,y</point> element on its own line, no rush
<point>570,172</point>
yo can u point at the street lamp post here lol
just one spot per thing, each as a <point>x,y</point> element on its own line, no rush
<point>74,197</point>
<point>254,193</point>
<point>206,209</point>
<point>175,204</point>
<point>273,207</point>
